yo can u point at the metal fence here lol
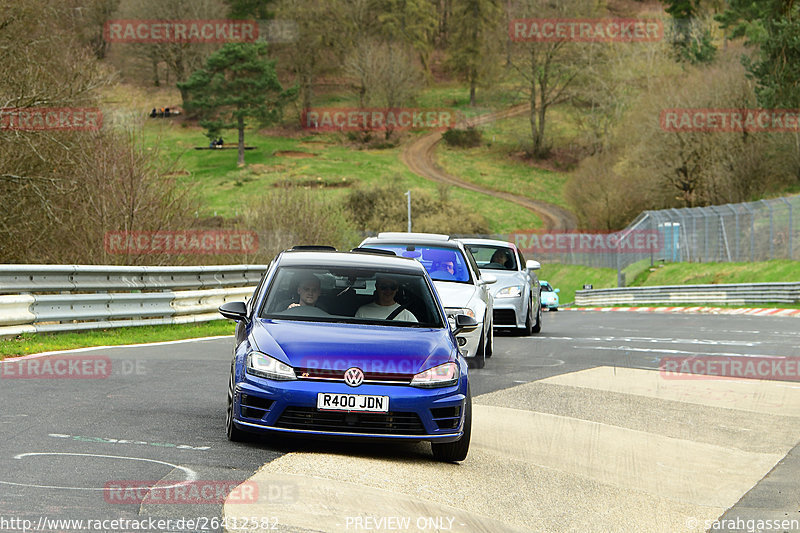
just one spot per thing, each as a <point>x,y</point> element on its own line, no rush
<point>727,294</point>
<point>48,298</point>
<point>753,231</point>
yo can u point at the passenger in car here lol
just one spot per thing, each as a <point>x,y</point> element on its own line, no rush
<point>385,307</point>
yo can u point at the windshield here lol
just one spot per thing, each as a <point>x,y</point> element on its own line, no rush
<point>493,257</point>
<point>442,263</point>
<point>353,296</point>
<point>546,287</point>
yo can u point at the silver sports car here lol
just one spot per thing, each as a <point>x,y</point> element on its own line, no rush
<point>516,294</point>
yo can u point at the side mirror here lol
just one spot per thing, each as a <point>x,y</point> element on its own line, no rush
<point>234,310</point>
<point>557,290</point>
<point>488,279</point>
<point>464,323</point>
<point>530,264</point>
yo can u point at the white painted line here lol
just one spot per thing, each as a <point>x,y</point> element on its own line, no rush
<point>191,475</point>
<point>664,350</point>
<point>94,348</point>
<point>703,342</point>
<point>108,440</point>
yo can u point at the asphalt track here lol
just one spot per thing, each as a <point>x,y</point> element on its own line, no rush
<point>574,431</point>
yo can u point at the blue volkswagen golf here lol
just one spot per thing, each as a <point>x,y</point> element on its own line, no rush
<point>349,345</point>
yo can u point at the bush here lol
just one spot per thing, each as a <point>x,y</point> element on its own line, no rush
<point>468,138</point>
<point>107,182</point>
<point>290,216</point>
<point>384,208</point>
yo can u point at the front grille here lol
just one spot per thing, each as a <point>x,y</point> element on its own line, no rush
<point>325,374</point>
<point>255,406</point>
<point>381,423</point>
<point>447,417</point>
<point>504,317</point>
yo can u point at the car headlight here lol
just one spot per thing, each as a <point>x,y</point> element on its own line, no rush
<point>262,365</point>
<point>509,292</point>
<point>438,376</point>
<point>452,311</point>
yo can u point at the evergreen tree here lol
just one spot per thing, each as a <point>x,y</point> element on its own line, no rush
<point>237,82</point>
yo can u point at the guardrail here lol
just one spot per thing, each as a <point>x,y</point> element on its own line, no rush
<point>49,298</point>
<point>729,293</point>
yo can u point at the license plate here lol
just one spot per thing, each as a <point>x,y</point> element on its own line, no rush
<point>327,401</point>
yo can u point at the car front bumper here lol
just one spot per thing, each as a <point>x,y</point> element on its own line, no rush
<point>415,414</point>
<point>509,313</point>
<point>473,340</point>
<point>550,303</point>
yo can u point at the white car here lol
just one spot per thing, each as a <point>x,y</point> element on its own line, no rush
<point>517,302</point>
<point>459,282</point>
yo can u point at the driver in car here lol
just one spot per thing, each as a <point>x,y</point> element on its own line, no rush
<point>501,258</point>
<point>309,290</point>
<point>385,307</point>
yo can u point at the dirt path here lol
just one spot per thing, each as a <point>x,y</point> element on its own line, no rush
<point>420,158</point>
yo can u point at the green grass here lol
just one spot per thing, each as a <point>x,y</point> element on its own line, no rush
<point>704,273</point>
<point>456,96</point>
<point>45,342</point>
<point>490,166</point>
<point>721,306</point>
<point>570,278</point>
<point>225,189</point>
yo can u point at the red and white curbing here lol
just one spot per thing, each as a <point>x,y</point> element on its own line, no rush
<point>764,311</point>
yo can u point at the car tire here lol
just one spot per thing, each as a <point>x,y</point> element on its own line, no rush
<point>480,355</point>
<point>490,344</point>
<point>234,434</point>
<point>451,452</point>
<point>538,327</point>
<point>554,309</point>
<point>528,329</point>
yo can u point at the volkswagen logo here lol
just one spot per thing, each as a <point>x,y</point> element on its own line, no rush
<point>354,377</point>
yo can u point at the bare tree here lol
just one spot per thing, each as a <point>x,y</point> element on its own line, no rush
<point>696,168</point>
<point>474,42</point>
<point>180,59</point>
<point>549,70</point>
<point>61,190</point>
<point>318,46</point>
<point>88,20</point>
<point>387,75</point>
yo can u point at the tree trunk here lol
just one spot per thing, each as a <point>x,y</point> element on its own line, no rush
<point>537,141</point>
<point>542,152</point>
<point>472,93</point>
<point>240,126</point>
<point>308,91</point>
